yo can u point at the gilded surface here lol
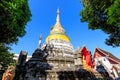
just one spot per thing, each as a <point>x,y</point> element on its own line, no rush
<point>58,36</point>
<point>57,31</point>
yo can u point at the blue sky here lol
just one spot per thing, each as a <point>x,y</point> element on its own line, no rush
<point>44,17</point>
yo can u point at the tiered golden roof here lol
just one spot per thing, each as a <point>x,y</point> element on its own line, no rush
<point>57,31</point>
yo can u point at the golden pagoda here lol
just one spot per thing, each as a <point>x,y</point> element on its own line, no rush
<point>57,31</point>
<point>62,54</point>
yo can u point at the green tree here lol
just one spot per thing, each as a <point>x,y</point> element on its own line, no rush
<point>14,15</point>
<point>104,15</point>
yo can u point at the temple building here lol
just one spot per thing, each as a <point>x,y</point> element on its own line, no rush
<point>108,61</point>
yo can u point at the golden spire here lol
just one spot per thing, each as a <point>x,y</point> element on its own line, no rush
<point>57,28</point>
<point>57,31</point>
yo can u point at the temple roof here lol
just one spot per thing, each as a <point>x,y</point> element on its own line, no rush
<point>57,31</point>
<point>108,54</point>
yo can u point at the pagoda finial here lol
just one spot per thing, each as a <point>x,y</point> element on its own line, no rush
<point>58,15</point>
<point>40,39</point>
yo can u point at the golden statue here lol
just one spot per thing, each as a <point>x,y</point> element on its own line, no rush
<point>9,73</point>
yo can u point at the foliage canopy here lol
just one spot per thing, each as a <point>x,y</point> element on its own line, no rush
<point>104,15</point>
<point>14,15</point>
<point>6,57</point>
